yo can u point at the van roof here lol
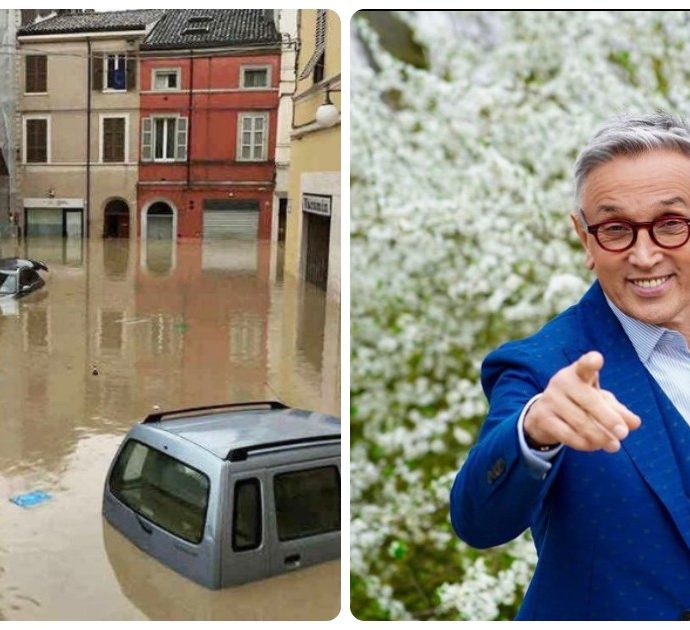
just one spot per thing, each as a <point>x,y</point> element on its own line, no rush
<point>223,432</point>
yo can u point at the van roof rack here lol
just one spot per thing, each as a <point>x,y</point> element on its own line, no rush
<point>158,416</point>
<point>241,454</point>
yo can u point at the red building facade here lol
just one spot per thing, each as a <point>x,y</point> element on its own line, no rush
<point>208,128</point>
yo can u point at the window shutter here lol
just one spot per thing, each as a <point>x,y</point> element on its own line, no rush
<point>37,140</point>
<point>181,139</point>
<point>97,72</point>
<point>29,74</point>
<point>114,140</point>
<point>43,73</point>
<point>320,28</point>
<point>35,71</point>
<point>146,139</point>
<point>319,43</point>
<point>131,73</point>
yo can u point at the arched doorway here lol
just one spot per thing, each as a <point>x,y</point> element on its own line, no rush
<point>159,221</point>
<point>116,220</point>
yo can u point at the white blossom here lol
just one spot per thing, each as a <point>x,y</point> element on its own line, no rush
<point>460,240</point>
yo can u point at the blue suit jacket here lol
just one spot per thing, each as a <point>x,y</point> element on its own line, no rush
<point>612,531</point>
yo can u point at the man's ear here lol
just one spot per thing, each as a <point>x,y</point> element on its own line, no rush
<point>577,224</point>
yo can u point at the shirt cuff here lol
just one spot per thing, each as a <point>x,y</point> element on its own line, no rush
<point>538,461</point>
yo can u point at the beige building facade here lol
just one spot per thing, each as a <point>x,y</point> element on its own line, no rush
<point>79,130</point>
<point>312,247</point>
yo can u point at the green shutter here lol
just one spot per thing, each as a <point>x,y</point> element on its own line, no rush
<point>181,139</point>
<point>146,139</point>
<point>131,73</point>
<point>97,72</point>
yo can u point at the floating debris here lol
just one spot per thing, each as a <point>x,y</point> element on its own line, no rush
<point>29,499</point>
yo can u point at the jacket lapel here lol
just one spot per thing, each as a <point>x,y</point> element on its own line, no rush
<point>649,446</point>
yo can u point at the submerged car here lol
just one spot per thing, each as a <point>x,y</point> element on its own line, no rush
<point>19,276</point>
<point>228,494</point>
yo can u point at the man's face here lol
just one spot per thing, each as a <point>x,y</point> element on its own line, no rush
<point>641,188</point>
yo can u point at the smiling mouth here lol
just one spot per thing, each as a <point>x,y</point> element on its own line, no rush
<point>650,283</point>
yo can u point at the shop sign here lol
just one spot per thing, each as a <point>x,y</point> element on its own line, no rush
<point>317,204</point>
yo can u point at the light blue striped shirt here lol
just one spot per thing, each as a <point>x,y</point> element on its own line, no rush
<point>665,354</point>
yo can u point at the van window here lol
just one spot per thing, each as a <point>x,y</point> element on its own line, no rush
<point>307,502</point>
<point>8,283</point>
<point>246,528</point>
<point>164,490</point>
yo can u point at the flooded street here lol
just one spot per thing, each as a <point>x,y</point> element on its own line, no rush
<point>118,329</point>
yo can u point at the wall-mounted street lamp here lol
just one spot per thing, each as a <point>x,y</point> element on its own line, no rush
<point>327,114</point>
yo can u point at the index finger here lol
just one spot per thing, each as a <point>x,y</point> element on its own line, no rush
<point>587,367</point>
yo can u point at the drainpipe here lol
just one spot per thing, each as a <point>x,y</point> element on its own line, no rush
<point>88,137</point>
<point>298,46</point>
<point>189,118</point>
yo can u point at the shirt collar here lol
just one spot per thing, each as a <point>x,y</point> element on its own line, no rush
<point>644,337</point>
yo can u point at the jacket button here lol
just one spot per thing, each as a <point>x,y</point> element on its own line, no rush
<point>496,470</point>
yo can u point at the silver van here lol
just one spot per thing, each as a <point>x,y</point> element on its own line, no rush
<point>227,494</point>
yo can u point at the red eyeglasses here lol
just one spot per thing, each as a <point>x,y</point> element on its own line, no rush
<point>617,235</point>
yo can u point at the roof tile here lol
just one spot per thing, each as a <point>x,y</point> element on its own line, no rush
<point>90,22</point>
<point>179,29</point>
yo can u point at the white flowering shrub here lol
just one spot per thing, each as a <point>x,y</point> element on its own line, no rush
<point>460,240</point>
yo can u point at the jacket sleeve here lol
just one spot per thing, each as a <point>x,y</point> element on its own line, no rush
<point>497,494</point>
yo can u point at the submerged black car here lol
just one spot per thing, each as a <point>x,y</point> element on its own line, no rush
<point>19,276</point>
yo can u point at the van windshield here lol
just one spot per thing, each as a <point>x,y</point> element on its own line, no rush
<point>8,283</point>
<point>163,489</point>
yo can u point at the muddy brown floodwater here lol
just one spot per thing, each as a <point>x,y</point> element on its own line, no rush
<point>118,328</point>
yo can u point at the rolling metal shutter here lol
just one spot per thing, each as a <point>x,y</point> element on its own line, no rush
<point>231,219</point>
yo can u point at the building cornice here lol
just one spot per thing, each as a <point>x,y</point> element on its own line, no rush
<point>235,51</point>
<point>327,84</point>
<point>83,36</point>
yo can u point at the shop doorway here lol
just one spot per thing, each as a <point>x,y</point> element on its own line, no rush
<point>318,229</point>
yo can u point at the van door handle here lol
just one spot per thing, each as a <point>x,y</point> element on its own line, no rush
<point>147,528</point>
<point>292,561</point>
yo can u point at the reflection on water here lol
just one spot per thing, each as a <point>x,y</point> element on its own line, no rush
<point>160,593</point>
<point>67,251</point>
<point>115,258</point>
<point>116,331</point>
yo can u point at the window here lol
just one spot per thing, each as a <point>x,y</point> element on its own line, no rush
<point>36,140</point>
<point>114,139</point>
<point>28,277</point>
<point>319,68</point>
<point>307,502</point>
<point>164,139</point>
<point>8,283</point>
<point>163,489</point>
<point>255,78</point>
<point>115,72</point>
<point>166,79</point>
<point>115,78</point>
<point>36,74</point>
<point>252,137</point>
<point>246,521</point>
